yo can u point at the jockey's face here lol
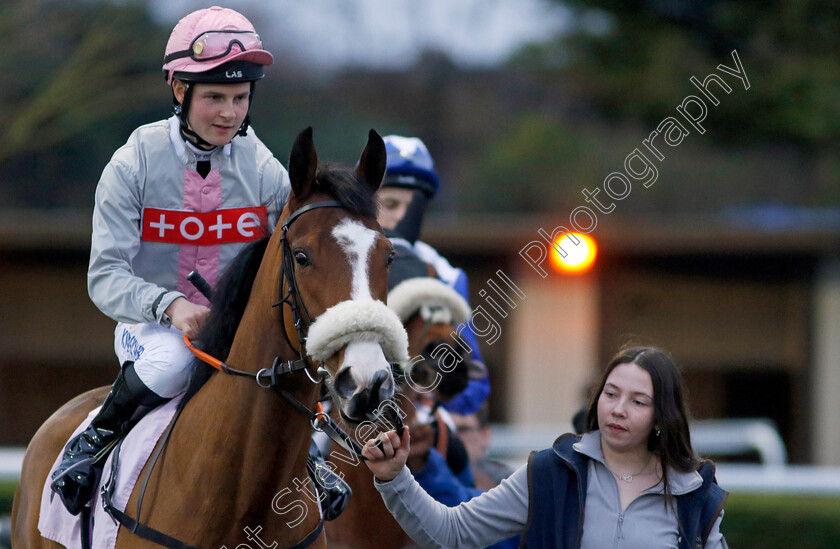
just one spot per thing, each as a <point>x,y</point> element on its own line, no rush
<point>216,111</point>
<point>393,203</point>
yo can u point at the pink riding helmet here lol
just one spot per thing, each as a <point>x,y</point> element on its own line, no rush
<point>208,38</point>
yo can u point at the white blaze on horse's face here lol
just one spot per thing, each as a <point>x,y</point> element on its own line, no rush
<point>357,241</point>
<point>363,360</point>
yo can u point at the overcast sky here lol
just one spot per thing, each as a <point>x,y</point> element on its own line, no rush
<point>390,33</point>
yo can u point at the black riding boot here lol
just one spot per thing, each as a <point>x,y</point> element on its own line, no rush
<point>77,476</point>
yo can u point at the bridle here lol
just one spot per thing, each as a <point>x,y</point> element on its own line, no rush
<point>270,377</point>
<point>293,299</point>
<point>320,420</point>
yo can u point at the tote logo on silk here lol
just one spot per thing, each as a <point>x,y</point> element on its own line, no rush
<point>204,229</point>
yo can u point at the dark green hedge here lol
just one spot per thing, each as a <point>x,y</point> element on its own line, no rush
<point>782,522</point>
<point>7,494</point>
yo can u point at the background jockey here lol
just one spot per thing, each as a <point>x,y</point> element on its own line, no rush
<point>410,182</point>
<point>182,194</point>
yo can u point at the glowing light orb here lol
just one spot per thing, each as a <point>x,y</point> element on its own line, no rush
<point>579,257</point>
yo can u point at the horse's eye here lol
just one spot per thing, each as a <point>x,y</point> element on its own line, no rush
<point>302,259</point>
<point>390,258</point>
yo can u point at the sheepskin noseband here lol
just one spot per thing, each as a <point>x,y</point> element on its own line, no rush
<point>432,297</point>
<point>350,321</point>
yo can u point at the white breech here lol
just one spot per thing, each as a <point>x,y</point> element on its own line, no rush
<point>162,361</point>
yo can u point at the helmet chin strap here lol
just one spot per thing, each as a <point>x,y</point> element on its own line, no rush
<point>181,110</point>
<point>243,129</point>
<point>409,226</point>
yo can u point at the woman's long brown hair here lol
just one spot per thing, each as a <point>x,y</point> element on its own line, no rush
<point>670,409</point>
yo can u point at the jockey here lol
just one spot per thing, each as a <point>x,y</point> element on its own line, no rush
<point>182,194</point>
<point>410,182</point>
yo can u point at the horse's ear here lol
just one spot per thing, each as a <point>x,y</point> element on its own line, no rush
<point>303,162</point>
<point>371,166</point>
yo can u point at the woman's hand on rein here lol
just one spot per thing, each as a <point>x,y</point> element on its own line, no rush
<point>386,454</point>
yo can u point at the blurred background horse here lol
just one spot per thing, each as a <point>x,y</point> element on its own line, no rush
<point>439,369</point>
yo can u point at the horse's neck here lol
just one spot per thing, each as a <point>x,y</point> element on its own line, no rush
<point>273,436</point>
<point>260,432</point>
<point>251,433</point>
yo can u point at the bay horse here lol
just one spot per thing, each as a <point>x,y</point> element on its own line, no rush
<point>237,450</point>
<point>430,311</point>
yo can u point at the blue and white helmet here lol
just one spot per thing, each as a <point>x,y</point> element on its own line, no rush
<point>410,165</point>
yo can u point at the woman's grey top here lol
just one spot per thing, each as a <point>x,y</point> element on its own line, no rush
<point>503,511</point>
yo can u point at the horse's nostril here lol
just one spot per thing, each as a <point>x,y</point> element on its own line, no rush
<point>378,379</point>
<point>345,386</point>
<point>381,387</point>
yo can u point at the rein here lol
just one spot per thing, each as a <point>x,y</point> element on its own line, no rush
<point>321,421</point>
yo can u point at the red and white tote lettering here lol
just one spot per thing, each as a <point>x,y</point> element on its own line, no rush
<point>204,229</point>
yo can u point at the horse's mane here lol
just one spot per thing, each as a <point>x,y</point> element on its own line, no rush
<point>231,294</point>
<point>345,186</point>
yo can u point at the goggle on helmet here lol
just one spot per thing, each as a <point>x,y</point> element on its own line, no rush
<point>205,42</point>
